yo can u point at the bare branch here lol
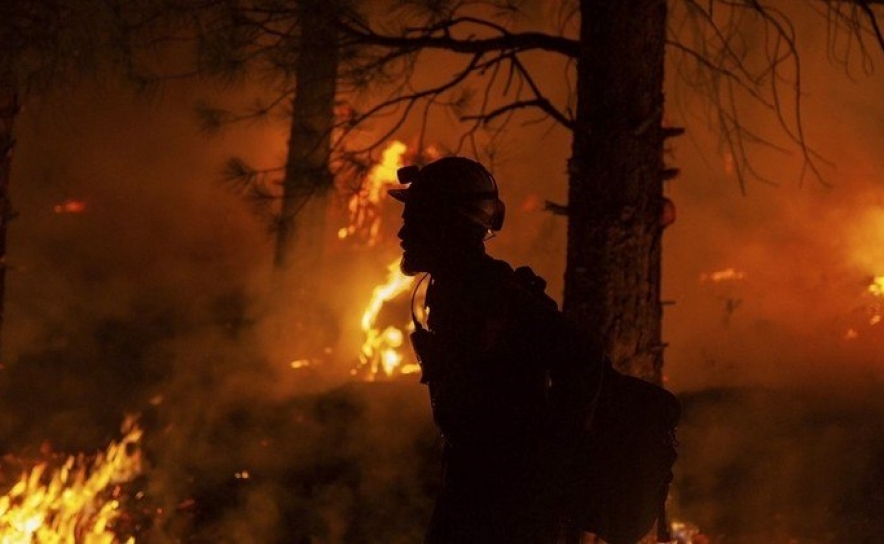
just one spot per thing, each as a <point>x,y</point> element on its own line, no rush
<point>541,103</point>
<point>431,39</point>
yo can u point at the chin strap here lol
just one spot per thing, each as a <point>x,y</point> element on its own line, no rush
<point>422,340</point>
<point>418,326</point>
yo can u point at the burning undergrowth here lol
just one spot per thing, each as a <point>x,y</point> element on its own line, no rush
<point>227,458</point>
<point>76,500</point>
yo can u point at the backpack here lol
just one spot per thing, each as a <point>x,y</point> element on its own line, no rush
<point>624,461</point>
<point>622,478</point>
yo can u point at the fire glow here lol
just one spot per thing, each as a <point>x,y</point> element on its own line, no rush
<point>75,503</point>
<point>70,206</point>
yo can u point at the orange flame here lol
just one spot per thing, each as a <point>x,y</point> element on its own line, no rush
<point>380,353</point>
<point>69,505</point>
<point>364,205</point>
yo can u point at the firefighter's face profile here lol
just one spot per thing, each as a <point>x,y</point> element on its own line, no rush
<point>417,239</point>
<point>430,237</point>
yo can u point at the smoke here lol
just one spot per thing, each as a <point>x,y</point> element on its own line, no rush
<point>779,361</point>
<point>807,247</point>
<point>777,465</point>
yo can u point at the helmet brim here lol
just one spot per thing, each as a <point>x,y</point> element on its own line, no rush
<point>399,194</point>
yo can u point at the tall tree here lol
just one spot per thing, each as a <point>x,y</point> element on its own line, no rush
<point>293,46</point>
<point>308,181</point>
<point>615,185</point>
<point>616,207</point>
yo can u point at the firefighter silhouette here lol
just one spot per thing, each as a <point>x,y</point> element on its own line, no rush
<point>506,395</point>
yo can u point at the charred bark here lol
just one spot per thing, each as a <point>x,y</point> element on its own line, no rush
<point>308,181</point>
<point>9,109</point>
<point>615,197</point>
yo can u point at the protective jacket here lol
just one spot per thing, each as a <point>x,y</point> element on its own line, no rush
<point>510,387</point>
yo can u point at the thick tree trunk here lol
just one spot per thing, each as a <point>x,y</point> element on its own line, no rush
<point>8,112</point>
<point>308,182</point>
<point>615,200</point>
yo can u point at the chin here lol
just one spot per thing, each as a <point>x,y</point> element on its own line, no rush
<point>412,265</point>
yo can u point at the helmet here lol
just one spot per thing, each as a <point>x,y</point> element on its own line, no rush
<point>455,183</point>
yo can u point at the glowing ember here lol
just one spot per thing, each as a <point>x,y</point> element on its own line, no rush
<point>364,205</point>
<point>74,503</point>
<point>300,363</point>
<point>381,351</point>
<point>727,274</point>
<point>70,206</point>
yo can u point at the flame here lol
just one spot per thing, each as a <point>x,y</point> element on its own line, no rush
<point>71,504</point>
<point>380,351</point>
<point>364,205</point>
<point>726,274</point>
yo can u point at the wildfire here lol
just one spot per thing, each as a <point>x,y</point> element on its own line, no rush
<point>75,503</point>
<point>364,205</point>
<point>380,353</point>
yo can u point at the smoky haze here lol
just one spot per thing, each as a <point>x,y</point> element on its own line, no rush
<point>158,297</point>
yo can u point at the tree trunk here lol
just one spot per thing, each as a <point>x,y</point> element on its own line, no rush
<point>308,181</point>
<point>8,111</point>
<point>615,198</point>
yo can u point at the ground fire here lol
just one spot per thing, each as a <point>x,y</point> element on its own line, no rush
<point>76,502</point>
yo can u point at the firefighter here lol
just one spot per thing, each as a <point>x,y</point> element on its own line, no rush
<point>507,390</point>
